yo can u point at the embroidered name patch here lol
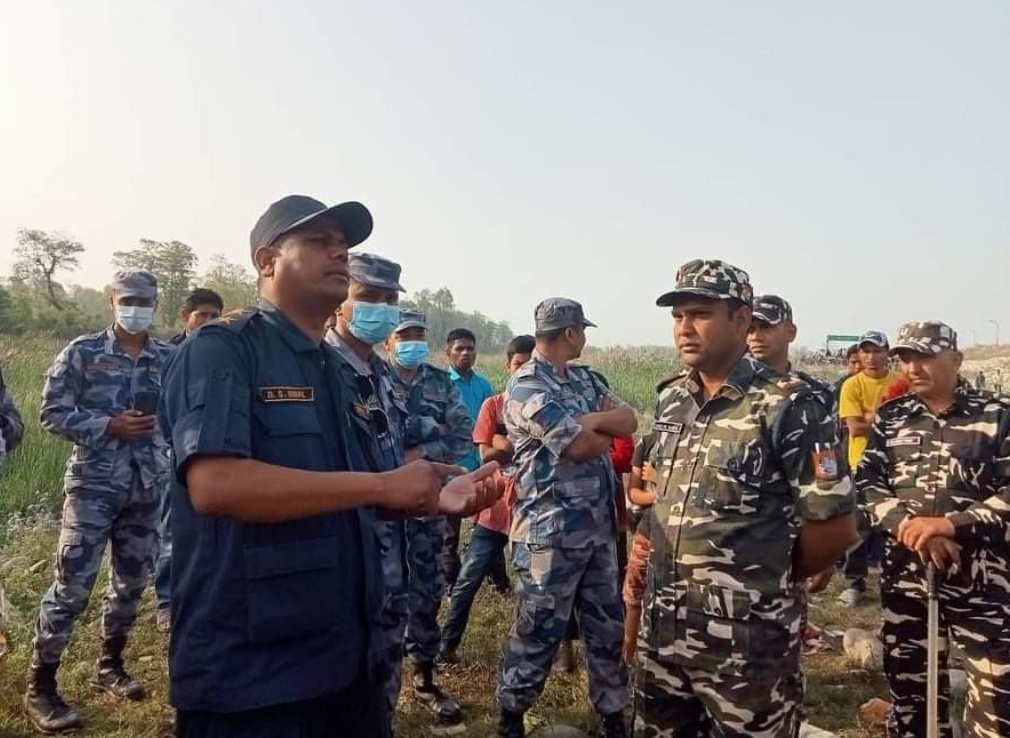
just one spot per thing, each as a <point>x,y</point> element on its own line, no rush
<point>288,394</point>
<point>904,441</point>
<point>662,427</point>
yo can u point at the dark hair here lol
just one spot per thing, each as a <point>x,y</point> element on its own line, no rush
<point>202,296</point>
<point>552,334</point>
<point>460,334</point>
<point>733,304</point>
<point>523,344</point>
<point>851,351</point>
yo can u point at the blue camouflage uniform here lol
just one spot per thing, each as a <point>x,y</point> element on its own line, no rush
<point>270,622</point>
<point>379,414</point>
<point>564,529</point>
<point>112,486</point>
<point>12,428</point>
<point>438,424</point>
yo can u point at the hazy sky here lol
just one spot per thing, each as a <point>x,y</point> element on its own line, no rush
<point>853,157</point>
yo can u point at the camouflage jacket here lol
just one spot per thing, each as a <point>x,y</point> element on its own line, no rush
<point>955,464</point>
<point>438,422</point>
<point>736,476</point>
<point>557,502</point>
<point>12,428</point>
<point>92,381</point>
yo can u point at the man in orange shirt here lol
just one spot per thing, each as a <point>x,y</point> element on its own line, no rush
<point>491,527</point>
<point>858,401</point>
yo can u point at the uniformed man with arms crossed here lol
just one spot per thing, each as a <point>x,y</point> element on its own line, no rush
<point>562,421</point>
<point>438,429</point>
<point>750,502</point>
<point>101,393</point>
<point>936,475</point>
<point>277,587</point>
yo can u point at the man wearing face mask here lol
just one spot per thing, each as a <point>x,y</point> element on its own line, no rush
<point>100,393</point>
<point>438,429</point>
<point>379,416</point>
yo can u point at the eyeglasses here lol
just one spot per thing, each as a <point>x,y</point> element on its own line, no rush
<point>377,417</point>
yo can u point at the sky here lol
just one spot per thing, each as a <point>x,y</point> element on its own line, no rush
<point>852,157</point>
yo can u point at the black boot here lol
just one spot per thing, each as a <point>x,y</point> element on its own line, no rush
<point>446,709</point>
<point>44,705</point>
<point>613,726</point>
<point>511,725</point>
<point>110,675</point>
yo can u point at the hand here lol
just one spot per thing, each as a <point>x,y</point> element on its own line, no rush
<point>473,492</point>
<point>649,473</point>
<point>131,426</point>
<point>942,553</point>
<point>414,454</point>
<point>640,497</point>
<point>415,487</point>
<point>818,582</point>
<point>632,621</point>
<point>916,532</point>
<point>870,417</point>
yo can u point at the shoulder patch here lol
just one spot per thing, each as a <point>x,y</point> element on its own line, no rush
<point>894,407</point>
<point>670,379</point>
<point>236,320</point>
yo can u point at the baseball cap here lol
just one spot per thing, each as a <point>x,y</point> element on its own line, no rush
<point>375,271</point>
<point>560,312</point>
<point>411,319</point>
<point>710,278</point>
<point>772,309</point>
<point>926,337</point>
<point>135,283</point>
<point>875,337</point>
<point>296,210</point>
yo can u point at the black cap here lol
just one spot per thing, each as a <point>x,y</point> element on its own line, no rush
<point>297,210</point>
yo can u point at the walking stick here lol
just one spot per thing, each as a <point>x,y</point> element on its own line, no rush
<point>932,653</point>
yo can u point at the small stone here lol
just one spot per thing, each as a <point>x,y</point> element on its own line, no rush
<point>862,648</point>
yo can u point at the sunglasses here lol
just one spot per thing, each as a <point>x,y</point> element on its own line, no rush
<point>377,417</point>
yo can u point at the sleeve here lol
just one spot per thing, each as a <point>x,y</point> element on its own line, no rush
<point>883,509</point>
<point>603,391</point>
<point>849,401</point>
<point>487,422</point>
<point>456,440</point>
<point>990,516</point>
<point>12,427</point>
<point>207,398</point>
<point>60,413</point>
<point>811,455</point>
<point>621,453</point>
<point>532,412</point>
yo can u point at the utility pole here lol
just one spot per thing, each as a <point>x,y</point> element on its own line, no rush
<point>996,323</point>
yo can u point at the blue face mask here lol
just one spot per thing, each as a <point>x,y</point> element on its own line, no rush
<point>372,323</point>
<point>411,354</point>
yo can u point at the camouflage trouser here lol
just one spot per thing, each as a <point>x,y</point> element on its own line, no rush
<point>92,518</point>
<point>390,536</point>
<point>553,582</point>
<point>680,702</point>
<point>425,585</point>
<point>980,627</point>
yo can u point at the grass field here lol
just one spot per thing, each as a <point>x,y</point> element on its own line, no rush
<point>30,495</point>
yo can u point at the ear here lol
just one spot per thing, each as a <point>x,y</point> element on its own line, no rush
<point>346,310</point>
<point>792,332</point>
<point>264,259</point>
<point>743,318</point>
<point>957,358</point>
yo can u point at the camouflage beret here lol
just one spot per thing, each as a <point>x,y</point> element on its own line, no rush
<point>772,309</point>
<point>927,337</point>
<point>375,271</point>
<point>560,312</point>
<point>709,278</point>
<point>135,283</point>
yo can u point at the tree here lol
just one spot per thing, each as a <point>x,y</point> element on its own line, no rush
<point>40,256</point>
<point>232,281</point>
<point>173,263</point>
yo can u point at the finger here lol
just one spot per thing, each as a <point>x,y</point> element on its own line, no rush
<point>447,470</point>
<point>487,471</point>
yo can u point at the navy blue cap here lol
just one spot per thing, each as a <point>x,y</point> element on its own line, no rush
<point>559,312</point>
<point>874,337</point>
<point>375,271</point>
<point>135,283</point>
<point>411,319</point>
<point>292,211</point>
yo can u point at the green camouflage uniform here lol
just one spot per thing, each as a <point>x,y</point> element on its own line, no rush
<point>737,476</point>
<point>957,464</point>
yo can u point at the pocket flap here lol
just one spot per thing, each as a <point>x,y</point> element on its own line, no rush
<point>288,558</point>
<point>718,601</point>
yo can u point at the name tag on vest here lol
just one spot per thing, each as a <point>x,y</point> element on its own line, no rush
<point>904,441</point>
<point>667,427</point>
<point>288,394</point>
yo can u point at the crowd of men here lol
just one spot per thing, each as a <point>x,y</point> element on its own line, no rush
<point>293,477</point>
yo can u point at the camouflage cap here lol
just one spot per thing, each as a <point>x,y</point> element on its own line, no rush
<point>135,283</point>
<point>927,337</point>
<point>710,278</point>
<point>559,312</point>
<point>411,319</point>
<point>772,309</point>
<point>375,271</point>
<point>877,338</point>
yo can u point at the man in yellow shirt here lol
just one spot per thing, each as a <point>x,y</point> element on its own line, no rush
<point>860,397</point>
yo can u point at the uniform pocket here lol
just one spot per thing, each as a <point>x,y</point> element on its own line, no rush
<point>69,554</point>
<point>90,465</point>
<point>278,580</point>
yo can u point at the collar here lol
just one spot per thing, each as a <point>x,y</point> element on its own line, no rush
<point>456,376</point>
<point>740,377</point>
<point>112,343</point>
<point>292,334</point>
<point>965,396</point>
<point>543,365</point>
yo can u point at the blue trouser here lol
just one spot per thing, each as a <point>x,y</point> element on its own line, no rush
<point>425,587</point>
<point>483,551</point>
<point>163,565</point>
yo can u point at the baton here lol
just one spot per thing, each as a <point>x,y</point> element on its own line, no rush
<point>932,653</point>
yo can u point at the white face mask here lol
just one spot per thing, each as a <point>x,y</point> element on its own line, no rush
<point>134,319</point>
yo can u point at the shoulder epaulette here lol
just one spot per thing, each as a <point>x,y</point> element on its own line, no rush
<point>890,407</point>
<point>436,370</point>
<point>667,380</point>
<point>86,337</point>
<point>236,320</point>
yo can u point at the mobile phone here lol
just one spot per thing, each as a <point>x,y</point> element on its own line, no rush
<point>146,401</point>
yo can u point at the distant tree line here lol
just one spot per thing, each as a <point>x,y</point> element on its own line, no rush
<point>37,298</point>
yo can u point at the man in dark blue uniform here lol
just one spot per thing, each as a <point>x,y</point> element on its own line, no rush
<point>276,578</point>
